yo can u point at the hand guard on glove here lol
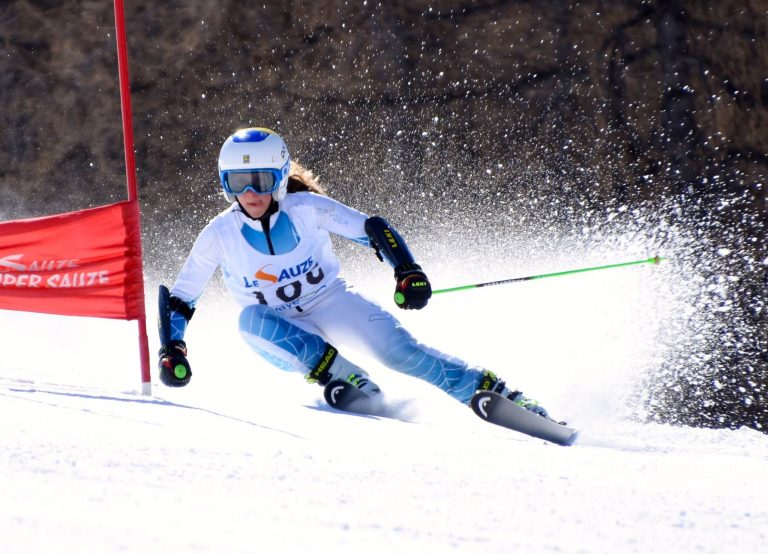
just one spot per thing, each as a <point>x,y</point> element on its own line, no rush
<point>173,364</point>
<point>413,289</point>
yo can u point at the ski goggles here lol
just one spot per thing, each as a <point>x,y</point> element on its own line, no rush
<point>260,181</point>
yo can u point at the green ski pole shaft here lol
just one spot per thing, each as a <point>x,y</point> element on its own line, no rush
<point>654,260</point>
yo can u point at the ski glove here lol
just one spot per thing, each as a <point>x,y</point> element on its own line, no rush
<point>413,289</point>
<point>173,364</point>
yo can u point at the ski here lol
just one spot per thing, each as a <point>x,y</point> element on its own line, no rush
<point>348,398</point>
<point>497,409</point>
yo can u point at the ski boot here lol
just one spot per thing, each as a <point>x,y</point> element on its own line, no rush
<point>347,387</point>
<point>333,368</point>
<point>489,382</point>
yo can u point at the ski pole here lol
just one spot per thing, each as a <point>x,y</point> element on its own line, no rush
<point>654,260</point>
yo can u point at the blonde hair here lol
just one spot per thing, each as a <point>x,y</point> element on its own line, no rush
<point>301,179</point>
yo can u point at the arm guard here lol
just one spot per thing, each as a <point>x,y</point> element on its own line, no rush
<point>174,314</point>
<point>387,242</point>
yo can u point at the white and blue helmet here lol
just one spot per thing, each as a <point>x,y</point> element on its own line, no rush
<point>254,159</point>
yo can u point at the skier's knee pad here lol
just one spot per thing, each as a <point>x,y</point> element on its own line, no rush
<point>277,339</point>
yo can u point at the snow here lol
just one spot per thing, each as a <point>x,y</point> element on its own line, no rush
<point>248,459</point>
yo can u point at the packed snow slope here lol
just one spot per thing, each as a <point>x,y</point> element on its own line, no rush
<point>248,459</point>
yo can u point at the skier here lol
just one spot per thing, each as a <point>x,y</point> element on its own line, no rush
<point>274,248</point>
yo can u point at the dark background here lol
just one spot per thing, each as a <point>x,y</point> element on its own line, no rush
<point>642,115</point>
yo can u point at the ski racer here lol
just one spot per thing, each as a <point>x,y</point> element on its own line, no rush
<point>274,248</point>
